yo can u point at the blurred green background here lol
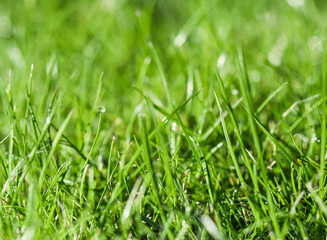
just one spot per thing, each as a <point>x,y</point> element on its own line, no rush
<point>77,40</point>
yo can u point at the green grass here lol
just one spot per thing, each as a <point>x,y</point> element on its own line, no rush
<point>163,119</point>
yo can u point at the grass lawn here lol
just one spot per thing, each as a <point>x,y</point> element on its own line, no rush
<point>163,119</point>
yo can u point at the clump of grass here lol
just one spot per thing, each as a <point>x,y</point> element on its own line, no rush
<point>198,127</point>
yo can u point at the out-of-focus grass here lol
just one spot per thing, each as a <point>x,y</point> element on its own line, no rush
<point>115,131</point>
